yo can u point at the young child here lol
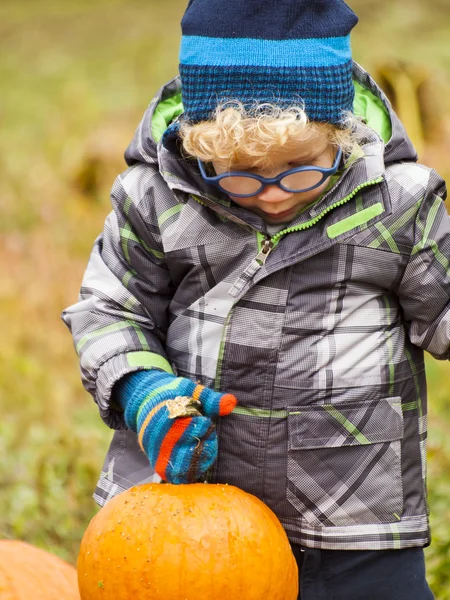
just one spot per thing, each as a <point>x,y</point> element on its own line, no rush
<point>274,241</point>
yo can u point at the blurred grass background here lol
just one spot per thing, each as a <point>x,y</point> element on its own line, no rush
<point>75,78</point>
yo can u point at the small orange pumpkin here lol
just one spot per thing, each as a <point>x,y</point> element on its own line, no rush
<point>29,573</point>
<point>186,542</point>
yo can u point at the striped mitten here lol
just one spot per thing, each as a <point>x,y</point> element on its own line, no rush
<point>172,417</point>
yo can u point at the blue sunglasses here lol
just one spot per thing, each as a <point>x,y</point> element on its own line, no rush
<point>245,185</point>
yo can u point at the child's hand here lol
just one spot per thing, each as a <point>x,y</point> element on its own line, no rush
<point>172,416</point>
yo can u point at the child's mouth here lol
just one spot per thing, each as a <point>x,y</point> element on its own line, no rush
<point>279,215</point>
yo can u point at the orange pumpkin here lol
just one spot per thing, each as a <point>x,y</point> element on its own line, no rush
<point>29,573</point>
<point>186,542</point>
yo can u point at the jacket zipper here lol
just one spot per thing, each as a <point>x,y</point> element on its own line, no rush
<point>276,238</point>
<point>264,252</point>
<point>260,259</point>
<point>270,243</point>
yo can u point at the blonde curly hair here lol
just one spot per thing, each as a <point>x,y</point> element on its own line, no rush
<point>236,135</point>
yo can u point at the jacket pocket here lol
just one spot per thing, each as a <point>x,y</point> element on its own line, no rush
<point>344,463</point>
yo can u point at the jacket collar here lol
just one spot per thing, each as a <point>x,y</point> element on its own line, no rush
<point>183,177</point>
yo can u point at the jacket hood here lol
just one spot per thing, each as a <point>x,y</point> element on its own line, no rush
<point>159,123</point>
<point>165,107</point>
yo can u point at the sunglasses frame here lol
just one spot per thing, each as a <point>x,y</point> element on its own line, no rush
<point>264,181</point>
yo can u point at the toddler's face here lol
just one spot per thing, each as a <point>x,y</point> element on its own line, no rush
<point>274,204</point>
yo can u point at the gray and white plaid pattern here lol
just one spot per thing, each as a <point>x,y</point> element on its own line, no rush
<point>322,344</point>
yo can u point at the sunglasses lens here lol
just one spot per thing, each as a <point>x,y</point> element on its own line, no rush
<point>240,185</point>
<point>304,180</point>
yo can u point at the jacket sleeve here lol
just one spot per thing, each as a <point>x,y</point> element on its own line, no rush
<point>424,290</point>
<point>120,320</point>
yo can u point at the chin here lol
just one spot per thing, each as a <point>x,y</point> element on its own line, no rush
<point>283,217</point>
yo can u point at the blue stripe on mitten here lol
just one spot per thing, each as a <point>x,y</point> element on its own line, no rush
<point>180,449</point>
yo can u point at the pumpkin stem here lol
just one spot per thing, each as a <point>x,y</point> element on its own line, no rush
<point>183,406</point>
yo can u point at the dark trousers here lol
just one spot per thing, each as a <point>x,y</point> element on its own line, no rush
<point>362,574</point>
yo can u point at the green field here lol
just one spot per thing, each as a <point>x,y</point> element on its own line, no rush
<point>76,77</point>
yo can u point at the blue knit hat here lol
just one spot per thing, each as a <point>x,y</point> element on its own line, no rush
<point>284,52</point>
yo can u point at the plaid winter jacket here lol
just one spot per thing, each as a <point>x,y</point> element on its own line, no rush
<point>318,330</point>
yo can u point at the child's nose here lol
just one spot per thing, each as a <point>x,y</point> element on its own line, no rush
<point>274,194</point>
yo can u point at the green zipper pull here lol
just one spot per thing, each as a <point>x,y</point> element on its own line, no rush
<point>245,279</point>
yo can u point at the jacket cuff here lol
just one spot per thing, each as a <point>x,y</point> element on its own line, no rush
<point>116,368</point>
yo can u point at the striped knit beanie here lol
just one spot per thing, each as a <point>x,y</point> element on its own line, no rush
<point>282,52</point>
